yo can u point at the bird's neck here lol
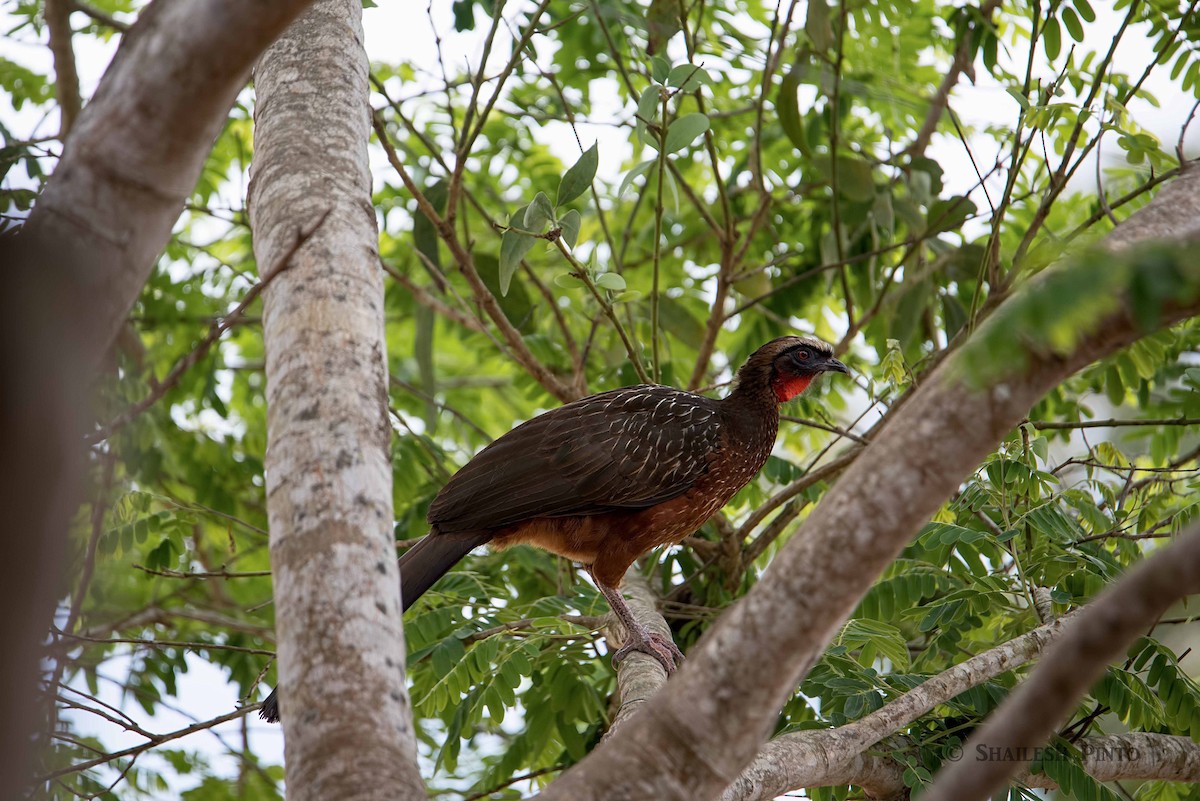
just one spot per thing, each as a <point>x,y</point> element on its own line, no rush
<point>756,400</point>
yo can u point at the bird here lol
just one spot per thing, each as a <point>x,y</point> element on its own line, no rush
<point>607,478</point>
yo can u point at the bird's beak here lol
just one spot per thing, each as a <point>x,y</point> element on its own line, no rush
<point>834,366</point>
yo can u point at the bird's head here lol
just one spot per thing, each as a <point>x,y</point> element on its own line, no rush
<point>787,365</point>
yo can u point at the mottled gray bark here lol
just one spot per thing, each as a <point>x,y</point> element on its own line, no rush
<point>75,270</point>
<point>1136,756</point>
<point>346,713</point>
<point>694,739</point>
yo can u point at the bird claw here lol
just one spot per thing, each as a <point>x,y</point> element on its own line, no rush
<point>652,644</point>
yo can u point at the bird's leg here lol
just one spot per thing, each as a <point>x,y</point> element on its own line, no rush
<point>638,637</point>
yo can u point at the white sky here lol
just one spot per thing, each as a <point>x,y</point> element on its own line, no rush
<point>400,30</point>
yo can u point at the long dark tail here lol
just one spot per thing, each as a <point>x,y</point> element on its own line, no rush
<point>427,561</point>
<point>420,568</point>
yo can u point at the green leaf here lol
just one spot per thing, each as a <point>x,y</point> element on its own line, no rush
<point>1019,97</point>
<point>1052,37</point>
<point>569,223</point>
<point>1074,27</point>
<point>634,174</point>
<point>513,247</point>
<point>675,317</point>
<point>539,213</point>
<point>684,131</point>
<point>611,281</point>
<point>568,281</point>
<point>855,178</point>
<point>664,19</point>
<point>659,69</point>
<point>578,179</point>
<point>818,25</point>
<point>688,77</point>
<point>425,236</point>
<point>515,302</point>
<point>787,105</point>
<point>647,109</point>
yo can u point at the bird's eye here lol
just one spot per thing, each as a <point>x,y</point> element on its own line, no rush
<point>802,355</point>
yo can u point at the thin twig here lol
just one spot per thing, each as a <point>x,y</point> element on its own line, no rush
<point>156,740</point>
<point>215,332</point>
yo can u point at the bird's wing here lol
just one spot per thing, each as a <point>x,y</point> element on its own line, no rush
<point>626,449</point>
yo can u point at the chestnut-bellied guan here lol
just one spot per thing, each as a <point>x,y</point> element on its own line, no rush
<point>605,479</point>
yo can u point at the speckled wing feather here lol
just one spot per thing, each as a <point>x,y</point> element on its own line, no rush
<point>628,448</point>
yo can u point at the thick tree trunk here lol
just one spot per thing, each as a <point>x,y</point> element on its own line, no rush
<point>345,708</point>
<point>72,275</point>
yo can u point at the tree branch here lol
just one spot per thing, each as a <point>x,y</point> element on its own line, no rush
<point>639,676</point>
<point>1120,757</point>
<point>794,761</point>
<point>941,98</point>
<point>1099,635</point>
<point>512,337</point>
<point>66,77</point>
<point>137,148</point>
<point>215,331</point>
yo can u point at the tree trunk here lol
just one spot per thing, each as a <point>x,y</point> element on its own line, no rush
<point>75,270</point>
<point>345,708</point>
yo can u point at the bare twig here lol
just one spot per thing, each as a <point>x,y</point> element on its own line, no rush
<point>99,16</point>
<point>1112,422</point>
<point>798,486</point>
<point>215,332</point>
<point>153,742</point>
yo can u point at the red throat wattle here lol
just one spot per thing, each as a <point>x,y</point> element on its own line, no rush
<point>789,386</point>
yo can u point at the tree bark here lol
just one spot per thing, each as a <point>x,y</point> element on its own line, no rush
<point>1135,756</point>
<point>75,270</point>
<point>345,708</point>
<point>693,739</point>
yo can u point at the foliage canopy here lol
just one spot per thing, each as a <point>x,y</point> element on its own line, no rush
<point>765,171</point>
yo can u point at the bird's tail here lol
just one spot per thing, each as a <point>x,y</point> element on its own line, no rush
<point>420,567</point>
<point>427,561</point>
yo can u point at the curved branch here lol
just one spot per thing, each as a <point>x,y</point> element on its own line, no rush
<point>803,759</point>
<point>1100,634</point>
<point>1118,757</point>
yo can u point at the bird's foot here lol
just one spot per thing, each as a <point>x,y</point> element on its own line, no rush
<point>653,644</point>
